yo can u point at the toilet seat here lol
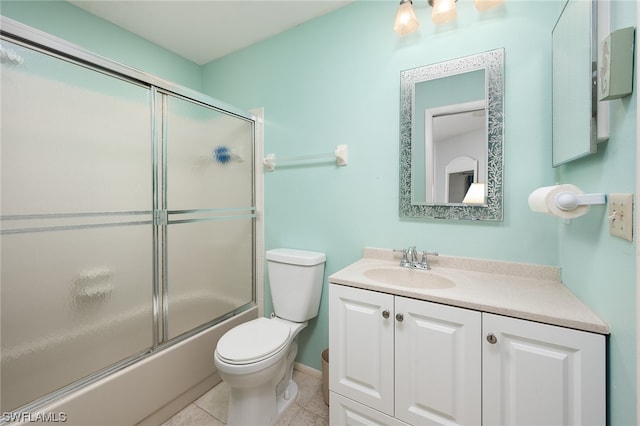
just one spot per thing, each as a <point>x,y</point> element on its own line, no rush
<point>253,341</point>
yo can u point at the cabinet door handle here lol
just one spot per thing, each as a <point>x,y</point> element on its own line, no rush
<point>491,338</point>
<point>385,313</point>
<point>399,317</point>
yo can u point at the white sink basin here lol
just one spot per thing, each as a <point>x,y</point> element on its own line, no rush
<point>405,277</point>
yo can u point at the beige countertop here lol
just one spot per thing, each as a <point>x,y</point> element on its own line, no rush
<point>531,292</point>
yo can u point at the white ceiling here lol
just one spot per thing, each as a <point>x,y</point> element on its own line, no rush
<point>204,30</point>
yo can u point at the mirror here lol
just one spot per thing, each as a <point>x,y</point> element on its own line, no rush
<point>575,103</point>
<point>451,135</point>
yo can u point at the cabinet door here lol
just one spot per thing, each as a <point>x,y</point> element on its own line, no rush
<point>537,374</point>
<point>438,364</point>
<point>346,412</point>
<point>361,346</point>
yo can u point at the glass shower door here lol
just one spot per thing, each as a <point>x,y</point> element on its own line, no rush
<point>209,203</point>
<point>76,282</point>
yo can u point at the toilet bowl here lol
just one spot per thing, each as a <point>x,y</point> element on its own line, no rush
<point>256,358</point>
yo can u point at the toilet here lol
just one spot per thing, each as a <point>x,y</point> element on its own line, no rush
<point>256,358</point>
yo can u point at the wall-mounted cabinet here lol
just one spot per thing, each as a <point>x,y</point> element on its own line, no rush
<point>397,360</point>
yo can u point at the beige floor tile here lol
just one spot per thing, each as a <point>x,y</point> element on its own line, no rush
<point>317,406</point>
<point>307,418</point>
<point>216,401</point>
<point>307,386</point>
<point>192,416</point>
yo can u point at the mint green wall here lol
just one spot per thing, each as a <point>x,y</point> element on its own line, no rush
<point>335,81</point>
<point>73,24</point>
<point>598,268</point>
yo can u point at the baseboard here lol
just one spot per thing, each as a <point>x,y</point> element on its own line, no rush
<point>307,370</point>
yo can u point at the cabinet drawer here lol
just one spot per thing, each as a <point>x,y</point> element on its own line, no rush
<point>346,412</point>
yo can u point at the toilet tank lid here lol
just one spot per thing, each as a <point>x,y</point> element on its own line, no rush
<point>296,257</point>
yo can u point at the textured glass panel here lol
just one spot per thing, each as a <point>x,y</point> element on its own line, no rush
<point>209,158</point>
<point>72,303</point>
<point>210,271</point>
<point>73,139</point>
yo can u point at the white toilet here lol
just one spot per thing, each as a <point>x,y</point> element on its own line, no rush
<point>256,358</point>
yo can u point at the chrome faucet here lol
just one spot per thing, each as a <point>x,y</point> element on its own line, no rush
<point>412,254</point>
<point>410,258</point>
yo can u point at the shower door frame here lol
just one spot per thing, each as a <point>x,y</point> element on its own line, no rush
<point>18,33</point>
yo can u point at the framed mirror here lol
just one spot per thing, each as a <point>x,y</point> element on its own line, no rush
<point>451,136</point>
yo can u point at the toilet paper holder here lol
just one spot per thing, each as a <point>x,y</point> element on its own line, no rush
<point>566,201</point>
<point>569,200</point>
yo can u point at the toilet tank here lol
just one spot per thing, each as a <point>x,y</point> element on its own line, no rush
<point>295,279</point>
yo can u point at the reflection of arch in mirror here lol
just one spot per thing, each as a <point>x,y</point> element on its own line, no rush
<point>459,174</point>
<point>452,132</point>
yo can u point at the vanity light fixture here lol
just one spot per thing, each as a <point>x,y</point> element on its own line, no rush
<point>475,195</point>
<point>443,11</point>
<point>406,21</point>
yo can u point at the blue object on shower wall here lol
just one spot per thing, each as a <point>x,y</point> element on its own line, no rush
<point>222,154</point>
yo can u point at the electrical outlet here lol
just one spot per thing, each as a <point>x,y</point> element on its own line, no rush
<point>621,215</point>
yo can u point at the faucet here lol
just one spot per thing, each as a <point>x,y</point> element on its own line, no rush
<point>412,254</point>
<point>410,258</point>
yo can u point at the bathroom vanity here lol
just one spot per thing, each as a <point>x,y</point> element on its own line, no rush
<point>468,342</point>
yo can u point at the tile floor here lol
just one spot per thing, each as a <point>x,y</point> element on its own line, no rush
<point>211,408</point>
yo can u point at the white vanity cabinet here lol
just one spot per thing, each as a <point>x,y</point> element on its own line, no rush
<point>397,360</point>
<point>410,360</point>
<point>538,374</point>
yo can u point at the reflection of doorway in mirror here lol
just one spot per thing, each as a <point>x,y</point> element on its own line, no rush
<point>455,142</point>
<point>459,174</point>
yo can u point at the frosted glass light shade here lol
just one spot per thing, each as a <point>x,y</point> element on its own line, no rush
<point>443,11</point>
<point>406,21</point>
<point>475,195</point>
<point>483,5</point>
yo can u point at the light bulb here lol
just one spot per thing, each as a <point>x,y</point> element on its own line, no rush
<point>406,21</point>
<point>483,5</point>
<point>443,11</point>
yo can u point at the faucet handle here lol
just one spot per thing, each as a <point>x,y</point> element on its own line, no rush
<point>430,253</point>
<point>403,251</point>
<point>404,260</point>
<point>425,260</point>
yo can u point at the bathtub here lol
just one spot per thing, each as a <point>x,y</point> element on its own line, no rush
<point>147,392</point>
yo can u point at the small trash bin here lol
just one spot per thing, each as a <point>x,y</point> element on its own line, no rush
<point>325,376</point>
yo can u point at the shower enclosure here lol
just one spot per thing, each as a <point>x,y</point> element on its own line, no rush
<point>128,217</point>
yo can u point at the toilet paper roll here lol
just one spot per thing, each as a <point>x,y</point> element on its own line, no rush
<point>543,200</point>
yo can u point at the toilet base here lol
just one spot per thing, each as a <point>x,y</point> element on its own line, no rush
<point>254,409</point>
<point>287,398</point>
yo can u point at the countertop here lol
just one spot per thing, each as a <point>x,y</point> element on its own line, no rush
<point>519,290</point>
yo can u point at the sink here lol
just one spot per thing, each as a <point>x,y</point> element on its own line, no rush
<point>413,278</point>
